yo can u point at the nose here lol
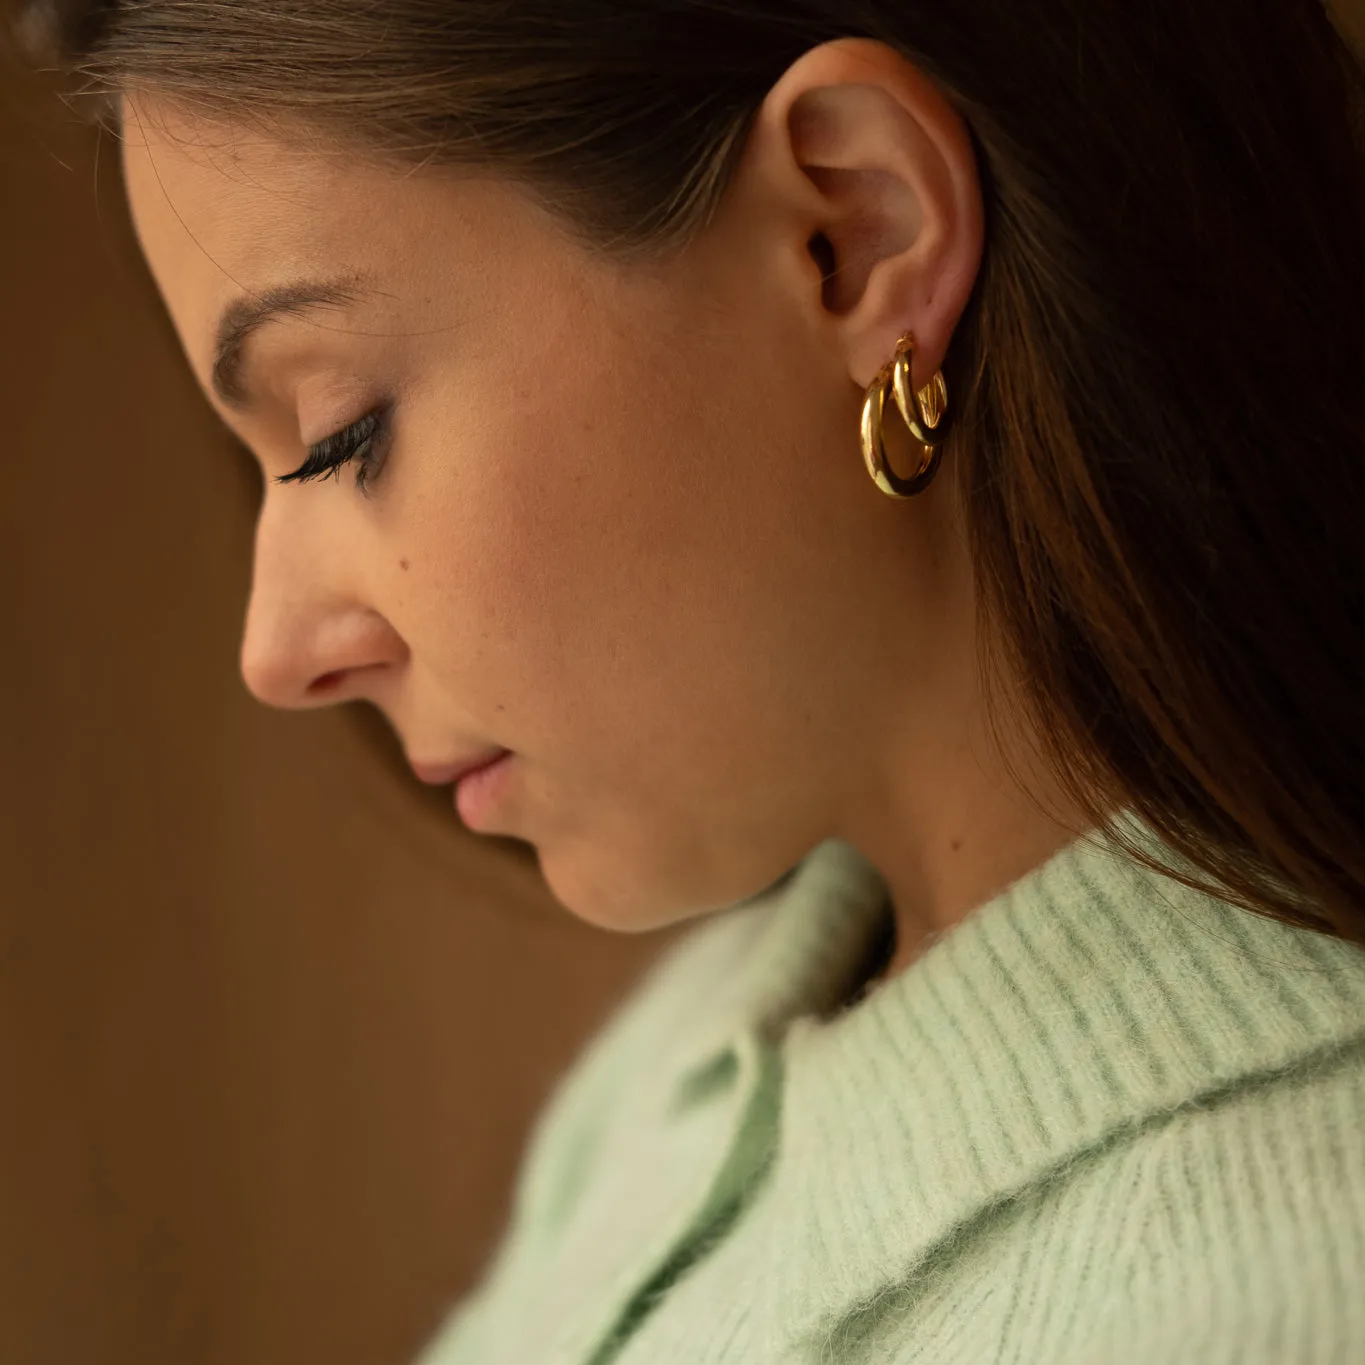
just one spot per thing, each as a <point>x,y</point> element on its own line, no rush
<point>310,638</point>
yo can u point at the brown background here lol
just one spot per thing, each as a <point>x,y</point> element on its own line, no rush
<point>272,1024</point>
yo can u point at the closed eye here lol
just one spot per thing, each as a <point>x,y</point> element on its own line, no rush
<point>362,441</point>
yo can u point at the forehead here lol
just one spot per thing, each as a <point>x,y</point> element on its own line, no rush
<point>217,205</point>
<point>222,209</point>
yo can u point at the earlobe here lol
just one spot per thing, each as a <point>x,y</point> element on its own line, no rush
<point>899,225</point>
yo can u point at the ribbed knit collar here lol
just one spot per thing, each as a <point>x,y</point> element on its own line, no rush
<point>1091,997</point>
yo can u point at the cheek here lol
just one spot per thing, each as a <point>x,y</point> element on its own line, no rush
<point>506,561</point>
<point>553,567</point>
<point>603,561</point>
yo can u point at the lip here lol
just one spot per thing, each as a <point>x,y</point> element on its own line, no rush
<point>478,792</point>
<point>439,774</point>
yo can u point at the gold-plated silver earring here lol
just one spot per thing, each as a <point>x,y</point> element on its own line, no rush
<point>925,416</point>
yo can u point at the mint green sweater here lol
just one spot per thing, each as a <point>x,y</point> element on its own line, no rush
<point>1104,1119</point>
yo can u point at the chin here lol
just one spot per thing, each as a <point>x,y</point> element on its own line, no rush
<point>628,898</point>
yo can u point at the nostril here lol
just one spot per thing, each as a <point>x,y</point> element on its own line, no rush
<point>327,682</point>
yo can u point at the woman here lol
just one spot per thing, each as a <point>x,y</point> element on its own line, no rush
<point>891,472</point>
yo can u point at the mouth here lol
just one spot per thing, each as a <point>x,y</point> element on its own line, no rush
<point>441,774</point>
<point>479,789</point>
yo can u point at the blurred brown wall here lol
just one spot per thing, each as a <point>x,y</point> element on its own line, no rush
<point>272,1025</point>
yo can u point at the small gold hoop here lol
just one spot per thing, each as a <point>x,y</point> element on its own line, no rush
<point>923,413</point>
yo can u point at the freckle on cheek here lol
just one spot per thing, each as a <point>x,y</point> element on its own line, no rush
<point>403,564</point>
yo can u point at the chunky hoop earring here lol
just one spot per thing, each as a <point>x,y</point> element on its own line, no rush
<point>924,414</point>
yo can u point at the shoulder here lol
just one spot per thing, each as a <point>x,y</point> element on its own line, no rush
<point>1232,1230</point>
<point>1251,1227</point>
<point>1228,1232</point>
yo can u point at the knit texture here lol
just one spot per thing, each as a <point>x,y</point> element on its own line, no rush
<point>1104,1119</point>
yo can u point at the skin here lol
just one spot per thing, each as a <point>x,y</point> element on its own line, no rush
<point>623,526</point>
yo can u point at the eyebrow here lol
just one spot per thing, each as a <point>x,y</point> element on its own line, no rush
<point>246,315</point>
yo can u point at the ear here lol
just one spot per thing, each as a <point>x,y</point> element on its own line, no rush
<point>896,221</point>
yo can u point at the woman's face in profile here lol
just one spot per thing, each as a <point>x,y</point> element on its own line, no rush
<point>613,518</point>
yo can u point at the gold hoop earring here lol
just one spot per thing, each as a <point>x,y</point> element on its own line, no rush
<point>924,414</point>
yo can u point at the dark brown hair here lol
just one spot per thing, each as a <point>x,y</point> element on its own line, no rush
<point>1161,417</point>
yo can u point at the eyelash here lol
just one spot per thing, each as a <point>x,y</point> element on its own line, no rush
<point>355,442</point>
